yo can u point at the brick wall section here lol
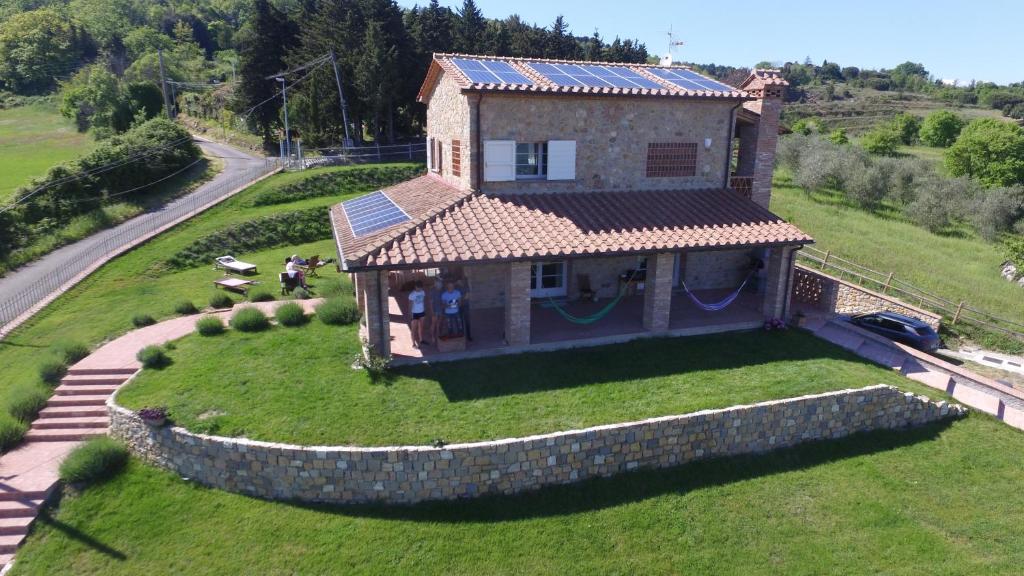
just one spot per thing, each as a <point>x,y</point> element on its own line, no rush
<point>715,269</point>
<point>489,282</point>
<point>448,118</point>
<point>603,273</point>
<point>375,312</point>
<point>658,291</point>
<point>767,139</point>
<point>419,473</point>
<point>611,137</point>
<point>517,304</point>
<point>820,291</point>
<point>779,269</point>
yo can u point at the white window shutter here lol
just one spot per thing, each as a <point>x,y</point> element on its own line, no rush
<point>430,153</point>
<point>561,160</point>
<point>499,160</point>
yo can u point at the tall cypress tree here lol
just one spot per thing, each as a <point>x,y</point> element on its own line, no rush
<point>469,32</point>
<point>377,79</point>
<point>263,47</point>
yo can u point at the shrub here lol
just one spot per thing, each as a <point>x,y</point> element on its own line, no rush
<point>249,320</point>
<point>808,126</point>
<point>905,176</point>
<point>94,460</point>
<point>907,127</point>
<point>337,311</point>
<point>140,320</point>
<point>995,210</point>
<point>219,300</point>
<point>939,201</point>
<point>790,150</point>
<point>71,351</point>
<point>285,229</point>
<point>52,370</point>
<point>153,357</point>
<point>209,326</point>
<point>185,307</point>
<point>25,401</point>
<point>867,186</point>
<point>260,295</point>
<point>940,128</point>
<point>990,150</point>
<point>883,141</point>
<point>11,432</point>
<point>838,136</point>
<point>290,314</point>
<point>360,179</point>
<point>300,293</point>
<point>1014,251</point>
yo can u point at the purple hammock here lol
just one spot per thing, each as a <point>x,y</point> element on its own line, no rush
<point>721,304</point>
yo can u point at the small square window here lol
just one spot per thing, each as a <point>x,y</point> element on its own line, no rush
<point>531,160</point>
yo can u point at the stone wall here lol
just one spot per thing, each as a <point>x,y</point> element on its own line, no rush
<point>716,269</point>
<point>419,473</point>
<point>448,119</point>
<point>603,273</point>
<point>488,283</point>
<point>611,134</point>
<point>817,290</point>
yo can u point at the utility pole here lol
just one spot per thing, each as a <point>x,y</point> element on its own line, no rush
<point>284,93</point>
<point>341,97</point>
<point>163,83</point>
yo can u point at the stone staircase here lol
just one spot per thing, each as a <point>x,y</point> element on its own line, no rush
<point>77,411</point>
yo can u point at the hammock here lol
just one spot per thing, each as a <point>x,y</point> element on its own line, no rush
<point>596,315</point>
<point>721,304</point>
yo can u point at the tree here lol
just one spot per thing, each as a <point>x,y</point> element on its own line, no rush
<point>907,126</point>
<point>376,77</point>
<point>36,47</point>
<point>991,151</point>
<point>93,98</point>
<point>469,28</point>
<point>940,128</point>
<point>270,34</point>
<point>560,43</point>
<point>883,141</point>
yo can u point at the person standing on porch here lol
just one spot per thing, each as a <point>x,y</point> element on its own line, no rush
<point>463,287</point>
<point>451,298</point>
<point>417,310</point>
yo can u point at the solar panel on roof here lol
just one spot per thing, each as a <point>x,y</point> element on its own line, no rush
<point>689,80</point>
<point>593,75</point>
<point>490,71</point>
<point>373,212</point>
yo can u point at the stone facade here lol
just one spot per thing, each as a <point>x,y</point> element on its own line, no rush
<point>716,269</point>
<point>517,304</point>
<point>825,293</point>
<point>658,292</point>
<point>603,274</point>
<point>488,283</point>
<point>419,473</point>
<point>611,134</point>
<point>449,118</point>
<point>376,325</point>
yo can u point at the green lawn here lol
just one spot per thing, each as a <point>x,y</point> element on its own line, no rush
<point>298,387</point>
<point>32,139</point>
<point>945,499</point>
<point>957,266</point>
<point>100,307</point>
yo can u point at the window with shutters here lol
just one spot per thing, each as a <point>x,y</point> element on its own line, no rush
<point>439,157</point>
<point>671,159</point>
<point>456,158</point>
<point>531,160</point>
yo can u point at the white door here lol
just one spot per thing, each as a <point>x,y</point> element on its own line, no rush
<point>547,279</point>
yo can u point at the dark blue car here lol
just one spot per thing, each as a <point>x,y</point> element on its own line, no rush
<point>903,329</point>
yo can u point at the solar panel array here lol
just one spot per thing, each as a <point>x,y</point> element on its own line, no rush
<point>592,75</point>
<point>689,80</point>
<point>490,71</point>
<point>373,212</point>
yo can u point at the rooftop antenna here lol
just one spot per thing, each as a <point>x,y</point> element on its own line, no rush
<point>667,59</point>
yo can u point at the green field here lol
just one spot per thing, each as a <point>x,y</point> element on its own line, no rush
<point>321,401</point>
<point>32,139</point>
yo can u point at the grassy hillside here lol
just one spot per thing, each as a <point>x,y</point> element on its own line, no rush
<point>32,139</point>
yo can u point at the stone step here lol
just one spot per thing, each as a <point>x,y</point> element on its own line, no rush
<point>101,371</point>
<point>82,390</point>
<point>92,380</point>
<point>8,495</point>
<point>5,559</point>
<point>55,412</point>
<point>65,423</point>
<point>91,400</point>
<point>10,542</point>
<point>15,509</point>
<point>20,525</point>
<point>65,435</point>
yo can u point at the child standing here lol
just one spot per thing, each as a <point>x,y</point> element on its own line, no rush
<point>417,301</point>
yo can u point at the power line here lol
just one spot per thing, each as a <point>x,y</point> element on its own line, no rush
<point>137,188</point>
<point>278,93</point>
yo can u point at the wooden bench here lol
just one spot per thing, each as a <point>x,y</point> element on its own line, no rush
<point>233,284</point>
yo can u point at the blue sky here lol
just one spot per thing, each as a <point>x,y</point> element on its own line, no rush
<point>969,39</point>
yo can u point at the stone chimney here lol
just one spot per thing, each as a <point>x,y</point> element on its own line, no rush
<point>768,86</point>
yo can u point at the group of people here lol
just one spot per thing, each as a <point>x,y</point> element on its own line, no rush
<point>448,305</point>
<point>293,267</point>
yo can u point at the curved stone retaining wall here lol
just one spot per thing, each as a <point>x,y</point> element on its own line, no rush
<point>416,473</point>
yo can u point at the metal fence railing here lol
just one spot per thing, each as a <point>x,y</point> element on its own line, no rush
<point>80,258</point>
<point>304,159</point>
<point>887,283</point>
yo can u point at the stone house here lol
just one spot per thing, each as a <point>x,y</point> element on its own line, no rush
<point>584,202</point>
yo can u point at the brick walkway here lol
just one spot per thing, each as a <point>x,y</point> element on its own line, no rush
<point>77,411</point>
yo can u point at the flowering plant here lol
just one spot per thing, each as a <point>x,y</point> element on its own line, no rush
<point>774,324</point>
<point>158,413</point>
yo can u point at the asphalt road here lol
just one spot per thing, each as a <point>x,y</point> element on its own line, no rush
<point>30,284</point>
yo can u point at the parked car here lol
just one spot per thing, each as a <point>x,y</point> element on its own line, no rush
<point>898,327</point>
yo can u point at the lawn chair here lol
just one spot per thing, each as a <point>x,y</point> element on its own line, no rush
<point>312,264</point>
<point>586,292</point>
<point>288,283</point>
<point>229,265</point>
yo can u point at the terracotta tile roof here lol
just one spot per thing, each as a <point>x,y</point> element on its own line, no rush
<point>762,77</point>
<point>479,227</point>
<point>543,85</point>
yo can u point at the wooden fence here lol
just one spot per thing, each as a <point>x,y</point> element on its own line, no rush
<point>887,283</point>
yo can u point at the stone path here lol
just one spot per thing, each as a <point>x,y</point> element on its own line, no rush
<point>77,411</point>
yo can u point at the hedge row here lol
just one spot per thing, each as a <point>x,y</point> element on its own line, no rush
<point>361,179</point>
<point>288,228</point>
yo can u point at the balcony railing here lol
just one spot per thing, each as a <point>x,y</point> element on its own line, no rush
<point>743,185</point>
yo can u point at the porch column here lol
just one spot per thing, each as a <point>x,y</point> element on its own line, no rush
<point>658,291</point>
<point>780,269</point>
<point>360,295</point>
<point>517,304</point>
<point>374,297</point>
